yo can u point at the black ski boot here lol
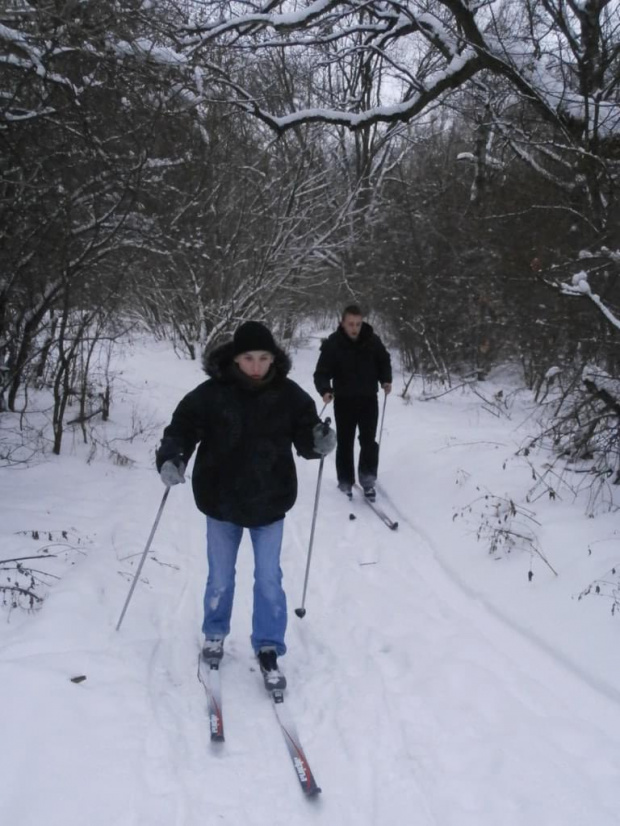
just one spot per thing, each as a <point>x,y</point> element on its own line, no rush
<point>213,649</point>
<point>268,661</point>
<point>346,488</point>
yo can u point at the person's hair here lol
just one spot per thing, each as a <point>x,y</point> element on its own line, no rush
<point>352,309</point>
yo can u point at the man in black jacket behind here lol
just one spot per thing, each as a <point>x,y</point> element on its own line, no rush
<point>352,363</point>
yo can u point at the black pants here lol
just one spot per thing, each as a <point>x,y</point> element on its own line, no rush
<point>352,412</point>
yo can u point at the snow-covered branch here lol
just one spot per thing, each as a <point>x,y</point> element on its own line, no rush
<point>580,286</point>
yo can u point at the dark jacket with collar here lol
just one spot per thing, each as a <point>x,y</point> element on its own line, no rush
<point>352,368</point>
<point>244,470</point>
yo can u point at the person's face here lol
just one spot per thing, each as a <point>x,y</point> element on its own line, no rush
<point>352,324</point>
<point>255,363</point>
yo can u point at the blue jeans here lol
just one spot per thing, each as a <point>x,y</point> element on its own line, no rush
<point>269,615</point>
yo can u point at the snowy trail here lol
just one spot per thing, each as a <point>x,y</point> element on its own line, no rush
<point>415,702</point>
<point>462,709</point>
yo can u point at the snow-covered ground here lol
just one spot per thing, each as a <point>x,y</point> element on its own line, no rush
<point>431,682</point>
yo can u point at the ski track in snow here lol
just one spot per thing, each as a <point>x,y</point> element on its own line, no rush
<point>415,700</point>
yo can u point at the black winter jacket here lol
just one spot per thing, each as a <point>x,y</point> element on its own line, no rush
<point>244,470</point>
<point>352,368</point>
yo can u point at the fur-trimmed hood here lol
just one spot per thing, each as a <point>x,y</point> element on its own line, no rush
<point>218,363</point>
<point>244,433</point>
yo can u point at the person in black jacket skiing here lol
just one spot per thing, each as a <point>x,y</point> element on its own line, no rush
<point>352,364</point>
<point>245,419</point>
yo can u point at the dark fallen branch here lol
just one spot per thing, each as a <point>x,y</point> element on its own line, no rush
<point>425,398</point>
<point>82,419</point>
<point>23,591</point>
<point>21,558</point>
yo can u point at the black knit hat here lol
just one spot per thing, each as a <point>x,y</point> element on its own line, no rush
<point>252,335</point>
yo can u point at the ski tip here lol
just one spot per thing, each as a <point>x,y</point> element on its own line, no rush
<point>394,526</point>
<point>315,791</point>
<point>352,516</point>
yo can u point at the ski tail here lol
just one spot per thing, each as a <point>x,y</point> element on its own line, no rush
<point>209,676</point>
<point>306,778</point>
<point>378,510</point>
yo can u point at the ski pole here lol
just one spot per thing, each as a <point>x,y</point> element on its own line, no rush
<point>146,550</point>
<point>301,612</point>
<point>382,418</point>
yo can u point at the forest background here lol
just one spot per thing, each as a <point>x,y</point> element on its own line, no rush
<point>178,167</point>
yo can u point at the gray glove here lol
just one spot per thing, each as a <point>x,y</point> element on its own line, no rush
<point>171,474</point>
<point>324,438</point>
